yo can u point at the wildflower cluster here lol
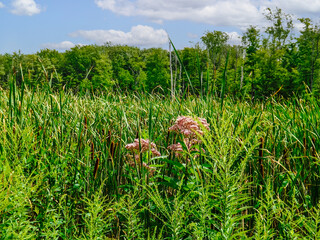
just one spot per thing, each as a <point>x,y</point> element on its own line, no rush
<point>190,129</point>
<point>138,147</point>
<point>187,126</point>
<point>144,144</point>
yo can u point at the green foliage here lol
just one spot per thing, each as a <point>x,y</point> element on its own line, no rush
<point>65,172</point>
<point>89,66</point>
<point>228,157</point>
<point>270,62</point>
<point>16,209</point>
<point>128,64</point>
<point>102,73</point>
<point>215,43</point>
<point>157,64</point>
<point>308,55</point>
<point>97,216</point>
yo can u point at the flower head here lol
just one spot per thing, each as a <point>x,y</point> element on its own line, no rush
<point>188,126</point>
<point>144,143</point>
<point>190,144</point>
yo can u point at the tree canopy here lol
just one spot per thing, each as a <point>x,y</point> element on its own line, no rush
<point>270,60</point>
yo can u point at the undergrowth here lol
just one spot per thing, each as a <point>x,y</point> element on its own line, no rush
<point>65,172</point>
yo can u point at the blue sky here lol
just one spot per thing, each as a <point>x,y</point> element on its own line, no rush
<point>31,25</point>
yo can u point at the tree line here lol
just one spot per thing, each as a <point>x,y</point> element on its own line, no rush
<point>276,59</point>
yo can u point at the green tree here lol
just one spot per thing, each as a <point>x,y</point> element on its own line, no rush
<point>5,68</point>
<point>215,43</point>
<point>194,60</point>
<point>128,67</point>
<point>87,66</point>
<point>234,73</point>
<point>157,63</point>
<point>251,40</point>
<point>281,28</point>
<point>308,55</point>
<point>50,65</point>
<point>273,74</point>
<point>292,83</point>
<point>102,73</point>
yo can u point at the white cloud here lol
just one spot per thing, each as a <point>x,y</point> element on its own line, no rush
<point>298,26</point>
<point>236,13</point>
<point>142,36</point>
<point>234,38</point>
<point>216,12</point>
<point>25,7</point>
<point>65,45</point>
<point>295,6</point>
<point>2,5</point>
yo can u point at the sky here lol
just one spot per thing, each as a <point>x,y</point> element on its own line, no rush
<point>32,25</point>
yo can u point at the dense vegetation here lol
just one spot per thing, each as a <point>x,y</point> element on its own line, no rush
<point>276,59</point>
<point>93,147</point>
<point>68,169</point>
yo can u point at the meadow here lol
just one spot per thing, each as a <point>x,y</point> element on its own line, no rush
<point>68,171</point>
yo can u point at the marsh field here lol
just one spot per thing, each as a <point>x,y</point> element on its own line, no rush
<point>140,166</point>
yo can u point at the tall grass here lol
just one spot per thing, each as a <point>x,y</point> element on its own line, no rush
<point>65,172</point>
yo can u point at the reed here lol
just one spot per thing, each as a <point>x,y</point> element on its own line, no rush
<point>65,171</point>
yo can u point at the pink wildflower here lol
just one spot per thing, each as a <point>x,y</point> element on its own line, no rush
<point>144,147</point>
<point>144,143</point>
<point>188,126</point>
<point>177,148</point>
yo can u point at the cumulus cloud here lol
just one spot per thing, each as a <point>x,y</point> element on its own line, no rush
<point>1,5</point>
<point>216,12</point>
<point>236,13</point>
<point>295,6</point>
<point>234,38</point>
<point>65,45</point>
<point>142,36</point>
<point>25,7</point>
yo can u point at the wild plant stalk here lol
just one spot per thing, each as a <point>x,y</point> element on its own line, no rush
<point>50,144</point>
<point>181,64</point>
